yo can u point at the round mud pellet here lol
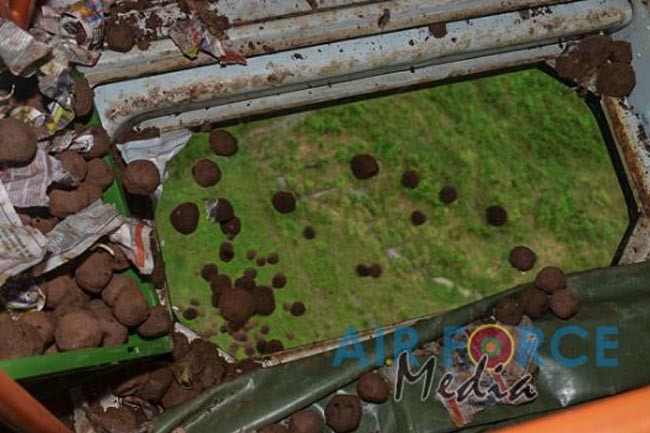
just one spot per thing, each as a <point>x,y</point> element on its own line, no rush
<point>364,166</point>
<point>260,261</point>
<point>226,252</point>
<point>206,173</point>
<point>550,279</point>
<point>223,143</point>
<point>250,273</point>
<point>44,323</point>
<point>131,308</point>
<point>141,177</point>
<point>279,281</point>
<point>99,173</point>
<point>564,304</point>
<point>237,305</point>
<point>245,283</point>
<point>250,254</point>
<point>18,141</point>
<point>273,346</point>
<point>298,309</point>
<point>496,216</point>
<point>185,218</point>
<point>448,194</point>
<point>376,270</point>
<point>306,421</point>
<point>621,52</point>
<point>101,143</point>
<point>309,233</point>
<point>373,388</point>
<point>616,79</point>
<point>284,202</point>
<point>190,314</point>
<point>273,259</point>
<point>115,287</point>
<point>265,329</point>
<point>120,36</point>
<point>18,339</point>
<point>410,179</point>
<point>83,97</point>
<point>363,270</point>
<point>508,311</point>
<point>74,163</point>
<point>264,300</point>
<point>66,203</point>
<point>594,50</point>
<point>95,272</point>
<point>418,218</point>
<point>343,413</point>
<point>522,258</point>
<point>181,346</point>
<point>222,210</point>
<point>209,272</point>
<point>232,227</point>
<point>272,428</point>
<point>158,323</point>
<point>534,302</point>
<point>78,330</point>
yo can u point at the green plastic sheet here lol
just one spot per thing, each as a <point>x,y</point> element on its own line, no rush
<point>610,297</point>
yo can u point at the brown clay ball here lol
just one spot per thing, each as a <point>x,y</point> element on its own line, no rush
<point>185,218</point>
<point>141,177</point>
<point>508,311</point>
<point>78,330</point>
<point>274,428</point>
<point>131,308</point>
<point>264,300</point>
<point>298,309</point>
<point>99,173</point>
<point>158,323</point>
<point>156,385</point>
<point>621,52</point>
<point>306,421</point>
<point>222,211</point>
<point>410,179</point>
<point>448,194</point>
<point>83,97</point>
<point>74,163</point>
<point>522,258</point>
<point>18,340</point>
<point>43,323</point>
<point>237,305</point>
<point>496,216</point>
<point>176,395</point>
<point>120,36</point>
<point>223,143</point>
<point>113,332</point>
<point>118,420</point>
<point>372,387</point>
<point>343,413</point>
<point>309,233</point>
<point>279,281</point>
<point>101,143</point>
<point>181,346</point>
<point>418,218</point>
<point>364,166</point>
<point>284,202</point>
<point>534,302</point>
<point>18,141</point>
<point>564,304</point>
<point>95,272</point>
<point>115,287</point>
<point>206,173</point>
<point>66,203</point>
<point>550,279</point>
<point>616,79</point>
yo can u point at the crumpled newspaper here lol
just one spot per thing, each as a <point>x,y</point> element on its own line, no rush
<point>27,186</point>
<point>77,233</point>
<point>191,36</point>
<point>21,247</point>
<point>19,50</point>
<point>134,238</point>
<point>159,150</point>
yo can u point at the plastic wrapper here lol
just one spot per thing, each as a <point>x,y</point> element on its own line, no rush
<point>20,246</point>
<point>611,298</point>
<point>134,237</point>
<point>19,50</point>
<point>27,186</point>
<point>77,233</point>
<point>71,140</point>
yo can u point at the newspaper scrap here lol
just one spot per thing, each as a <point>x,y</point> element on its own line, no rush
<point>159,150</point>
<point>134,238</point>
<point>192,37</point>
<point>27,186</point>
<point>491,356</point>
<point>21,247</point>
<point>77,233</point>
<point>71,140</point>
<point>19,50</point>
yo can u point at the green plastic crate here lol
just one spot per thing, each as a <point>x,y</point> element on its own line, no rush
<point>135,348</point>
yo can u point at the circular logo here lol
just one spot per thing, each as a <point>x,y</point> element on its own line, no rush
<point>492,341</point>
